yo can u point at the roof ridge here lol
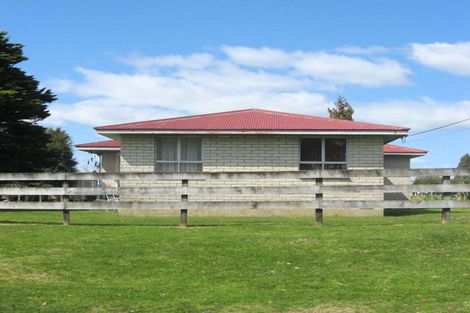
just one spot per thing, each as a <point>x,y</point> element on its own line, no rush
<point>279,113</point>
<point>183,117</point>
<point>244,116</point>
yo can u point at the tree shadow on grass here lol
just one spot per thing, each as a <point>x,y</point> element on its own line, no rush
<point>174,225</point>
<point>9,222</point>
<point>408,212</point>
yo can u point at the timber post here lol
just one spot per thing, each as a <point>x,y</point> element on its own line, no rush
<point>319,198</point>
<point>446,196</point>
<point>184,210</point>
<point>65,200</point>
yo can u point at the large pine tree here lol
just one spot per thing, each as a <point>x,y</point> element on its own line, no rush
<point>23,143</point>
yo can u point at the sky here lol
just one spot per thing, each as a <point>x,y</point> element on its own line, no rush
<point>404,63</point>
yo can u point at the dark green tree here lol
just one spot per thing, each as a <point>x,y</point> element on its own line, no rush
<point>60,151</point>
<point>23,143</point>
<point>342,110</point>
<point>464,162</point>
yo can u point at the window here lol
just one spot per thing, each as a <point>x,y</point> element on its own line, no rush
<point>322,153</point>
<point>178,154</point>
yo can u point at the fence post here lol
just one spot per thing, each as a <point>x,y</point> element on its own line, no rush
<point>184,210</point>
<point>65,200</point>
<point>446,196</point>
<point>319,198</point>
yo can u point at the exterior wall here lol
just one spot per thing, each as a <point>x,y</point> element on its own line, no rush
<point>399,162</point>
<point>250,153</point>
<point>222,153</point>
<point>137,153</point>
<point>110,162</point>
<point>363,152</point>
<point>137,156</point>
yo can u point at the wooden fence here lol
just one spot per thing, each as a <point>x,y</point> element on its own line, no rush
<point>64,195</point>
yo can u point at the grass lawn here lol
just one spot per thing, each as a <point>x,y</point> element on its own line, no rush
<point>108,263</point>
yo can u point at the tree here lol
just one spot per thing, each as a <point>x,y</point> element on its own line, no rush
<point>22,105</point>
<point>60,151</point>
<point>428,180</point>
<point>464,162</point>
<point>342,110</point>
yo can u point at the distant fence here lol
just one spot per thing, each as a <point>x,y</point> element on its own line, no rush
<point>63,195</point>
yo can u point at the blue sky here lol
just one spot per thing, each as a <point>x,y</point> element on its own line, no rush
<point>403,63</point>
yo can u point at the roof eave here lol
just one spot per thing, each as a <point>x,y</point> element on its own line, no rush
<point>399,133</point>
<point>405,153</point>
<point>97,149</point>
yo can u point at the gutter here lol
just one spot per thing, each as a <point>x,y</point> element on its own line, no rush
<point>188,132</point>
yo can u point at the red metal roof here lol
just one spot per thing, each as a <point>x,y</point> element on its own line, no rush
<point>250,120</point>
<point>100,144</point>
<point>399,149</point>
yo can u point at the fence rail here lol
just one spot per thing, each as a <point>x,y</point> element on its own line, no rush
<point>313,174</point>
<point>86,191</point>
<point>15,184</point>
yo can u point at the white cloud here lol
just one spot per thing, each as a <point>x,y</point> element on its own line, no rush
<point>150,93</point>
<point>355,71</point>
<point>260,57</point>
<point>323,66</point>
<point>193,61</point>
<point>453,58</point>
<point>418,114</point>
<point>163,86</point>
<point>370,50</point>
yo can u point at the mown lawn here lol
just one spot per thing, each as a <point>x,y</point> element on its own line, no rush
<point>108,263</point>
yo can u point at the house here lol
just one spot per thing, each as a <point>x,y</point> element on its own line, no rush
<point>251,140</point>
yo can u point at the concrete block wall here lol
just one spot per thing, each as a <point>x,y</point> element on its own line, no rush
<point>137,153</point>
<point>250,153</point>
<point>363,152</point>
<point>398,162</point>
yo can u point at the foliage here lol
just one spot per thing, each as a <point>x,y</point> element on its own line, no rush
<point>342,110</point>
<point>426,196</point>
<point>464,163</point>
<point>22,105</point>
<point>60,149</point>
<point>105,262</point>
<point>428,180</point>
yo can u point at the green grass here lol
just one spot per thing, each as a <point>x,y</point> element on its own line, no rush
<point>108,263</point>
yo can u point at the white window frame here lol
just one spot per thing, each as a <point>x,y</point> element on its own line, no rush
<point>323,161</point>
<point>178,153</point>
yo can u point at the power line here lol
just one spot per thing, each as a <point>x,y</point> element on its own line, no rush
<point>440,127</point>
<point>441,135</point>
